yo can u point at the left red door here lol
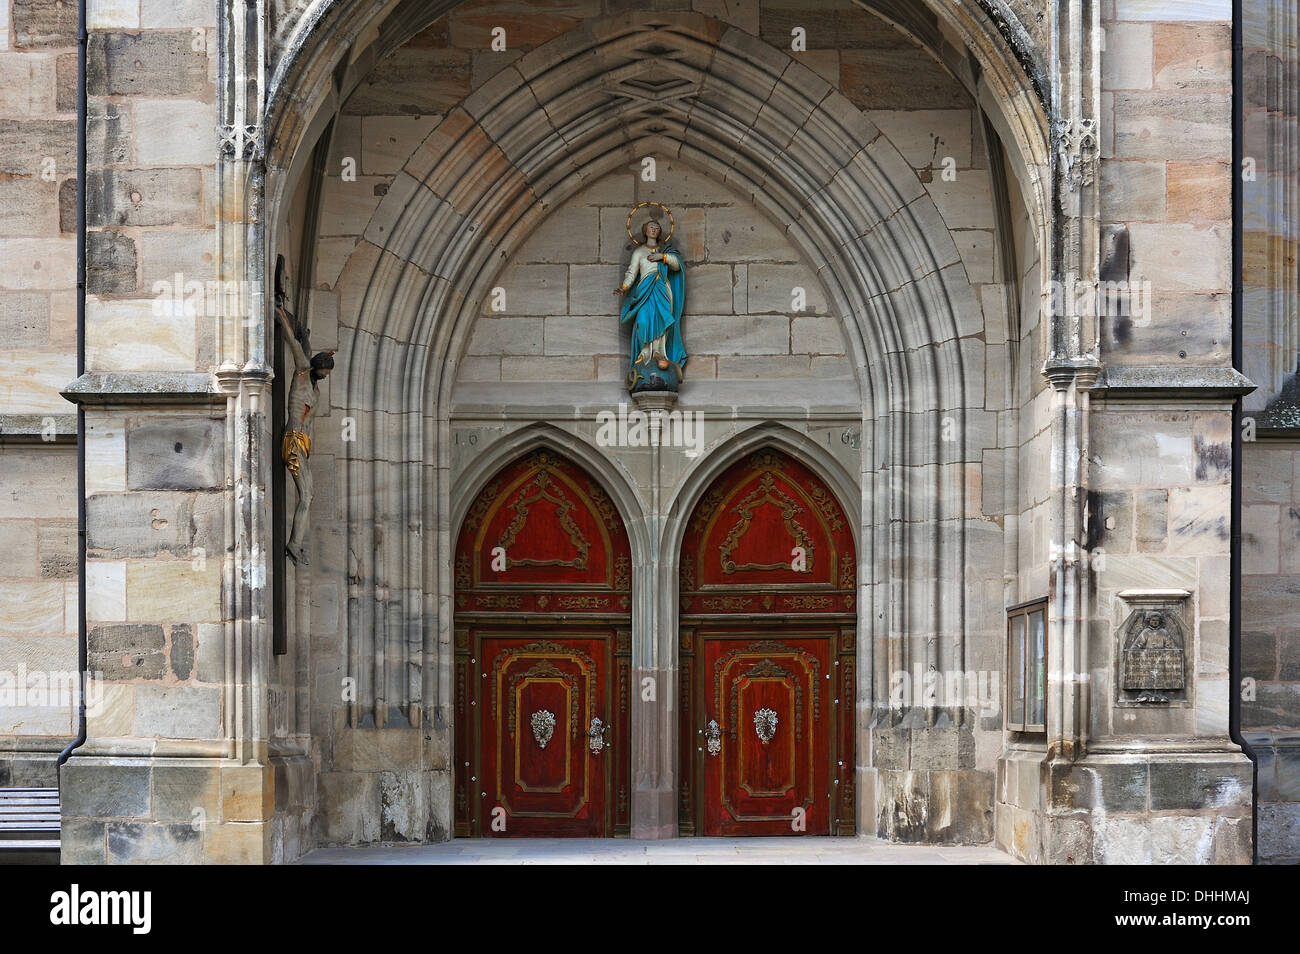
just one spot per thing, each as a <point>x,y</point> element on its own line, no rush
<point>543,648</point>
<point>545,765</point>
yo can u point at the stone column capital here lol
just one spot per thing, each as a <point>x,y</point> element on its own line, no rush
<point>1062,374</point>
<point>231,380</point>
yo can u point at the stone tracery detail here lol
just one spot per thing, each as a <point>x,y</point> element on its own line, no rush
<point>1076,140</point>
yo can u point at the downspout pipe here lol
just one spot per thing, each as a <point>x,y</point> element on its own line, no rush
<point>1234,612</point>
<point>81,369</point>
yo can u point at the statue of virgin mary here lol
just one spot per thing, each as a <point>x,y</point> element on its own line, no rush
<point>655,286</point>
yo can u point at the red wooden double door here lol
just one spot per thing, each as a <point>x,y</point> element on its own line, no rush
<point>543,600</point>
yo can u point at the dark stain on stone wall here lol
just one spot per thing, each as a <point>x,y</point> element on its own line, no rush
<point>182,650</point>
<point>126,651</point>
<point>1213,461</point>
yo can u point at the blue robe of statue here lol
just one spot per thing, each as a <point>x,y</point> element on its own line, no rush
<point>654,305</point>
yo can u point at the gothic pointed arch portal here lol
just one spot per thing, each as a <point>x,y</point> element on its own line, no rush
<point>542,655</point>
<point>414,286</point>
<point>768,573</point>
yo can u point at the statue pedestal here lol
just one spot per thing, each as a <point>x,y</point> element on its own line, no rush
<point>655,400</point>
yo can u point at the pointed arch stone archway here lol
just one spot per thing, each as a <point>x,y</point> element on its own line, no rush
<point>555,120</point>
<point>589,101</point>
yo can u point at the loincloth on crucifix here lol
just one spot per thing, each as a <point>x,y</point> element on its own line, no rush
<point>294,450</point>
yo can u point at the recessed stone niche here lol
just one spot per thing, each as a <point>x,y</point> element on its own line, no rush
<point>1153,649</point>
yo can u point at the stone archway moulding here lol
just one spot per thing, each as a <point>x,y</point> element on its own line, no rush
<point>406,333</point>
<point>330,45</point>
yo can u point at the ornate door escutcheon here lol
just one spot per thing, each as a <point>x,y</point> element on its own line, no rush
<point>543,722</point>
<point>765,724</point>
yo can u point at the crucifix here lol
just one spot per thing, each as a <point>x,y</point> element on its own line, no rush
<point>304,397</point>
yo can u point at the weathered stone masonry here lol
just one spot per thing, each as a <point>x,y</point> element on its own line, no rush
<point>929,174</point>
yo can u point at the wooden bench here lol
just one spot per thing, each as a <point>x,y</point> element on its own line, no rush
<point>29,826</point>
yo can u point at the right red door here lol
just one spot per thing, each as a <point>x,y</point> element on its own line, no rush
<point>766,649</point>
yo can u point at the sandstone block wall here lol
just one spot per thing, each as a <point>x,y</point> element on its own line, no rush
<point>1270,640</point>
<point>38,505</point>
<point>1160,475</point>
<point>426,130</point>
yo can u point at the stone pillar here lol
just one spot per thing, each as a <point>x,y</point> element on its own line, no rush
<point>170,771</point>
<point>1270,645</point>
<point>654,657</point>
<point>176,765</point>
<point>1138,764</point>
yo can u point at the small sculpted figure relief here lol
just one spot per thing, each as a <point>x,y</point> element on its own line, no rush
<point>304,398</point>
<point>1153,660</point>
<point>655,290</point>
<point>1154,635</point>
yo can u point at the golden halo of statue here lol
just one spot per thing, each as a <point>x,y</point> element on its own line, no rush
<point>672,224</point>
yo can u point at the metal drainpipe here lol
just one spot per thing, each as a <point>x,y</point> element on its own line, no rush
<point>1234,613</point>
<point>81,369</point>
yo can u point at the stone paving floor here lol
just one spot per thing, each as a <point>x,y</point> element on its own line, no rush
<point>678,851</point>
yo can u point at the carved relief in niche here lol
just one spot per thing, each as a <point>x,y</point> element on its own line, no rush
<point>1152,655</point>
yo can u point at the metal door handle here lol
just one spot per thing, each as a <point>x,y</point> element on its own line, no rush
<point>713,737</point>
<point>596,736</point>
